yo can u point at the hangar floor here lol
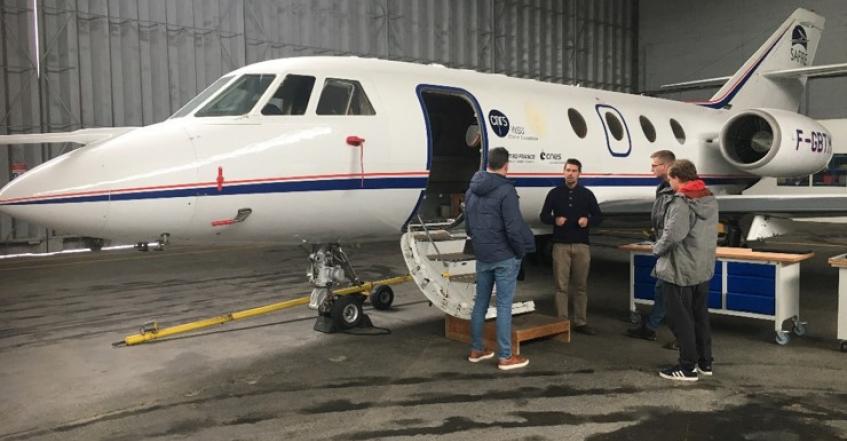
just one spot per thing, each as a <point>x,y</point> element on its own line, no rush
<point>275,378</point>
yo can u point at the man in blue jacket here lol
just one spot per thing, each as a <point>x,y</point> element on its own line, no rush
<point>500,239</point>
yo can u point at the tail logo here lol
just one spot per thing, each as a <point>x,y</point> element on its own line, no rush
<point>799,45</point>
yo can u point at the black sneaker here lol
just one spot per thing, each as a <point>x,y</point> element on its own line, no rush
<point>705,369</point>
<point>642,332</point>
<point>678,373</point>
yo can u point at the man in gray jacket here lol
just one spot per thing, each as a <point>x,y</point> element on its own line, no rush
<point>686,264</point>
<point>660,163</point>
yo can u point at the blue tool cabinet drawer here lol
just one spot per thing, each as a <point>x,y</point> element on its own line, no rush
<point>746,303</point>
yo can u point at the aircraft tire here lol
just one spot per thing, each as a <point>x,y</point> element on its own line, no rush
<point>382,297</point>
<point>346,312</point>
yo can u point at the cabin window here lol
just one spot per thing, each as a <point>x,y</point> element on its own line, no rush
<point>240,97</point>
<point>292,97</point>
<point>677,131</point>
<point>834,175</point>
<point>344,97</point>
<point>577,123</point>
<point>647,128</point>
<point>203,96</point>
<point>615,126</point>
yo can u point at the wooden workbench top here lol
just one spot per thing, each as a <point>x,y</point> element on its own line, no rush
<point>734,253</point>
<point>839,261</point>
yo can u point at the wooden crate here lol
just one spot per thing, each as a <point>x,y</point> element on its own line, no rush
<point>525,327</point>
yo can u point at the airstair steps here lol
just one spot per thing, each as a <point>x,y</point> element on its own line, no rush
<point>445,273</point>
<point>451,257</point>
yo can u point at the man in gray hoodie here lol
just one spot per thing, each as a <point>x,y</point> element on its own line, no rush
<point>500,239</point>
<point>686,264</point>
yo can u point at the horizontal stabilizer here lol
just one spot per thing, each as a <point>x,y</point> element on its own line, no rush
<point>82,136</point>
<point>695,84</point>
<point>823,71</point>
<point>826,70</point>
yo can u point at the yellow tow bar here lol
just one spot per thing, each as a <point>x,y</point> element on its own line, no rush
<point>152,332</point>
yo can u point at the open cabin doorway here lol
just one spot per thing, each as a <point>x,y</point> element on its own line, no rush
<point>457,148</point>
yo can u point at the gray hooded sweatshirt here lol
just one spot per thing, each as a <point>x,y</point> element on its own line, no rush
<point>686,245</point>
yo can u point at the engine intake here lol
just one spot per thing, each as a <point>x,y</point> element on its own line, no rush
<point>772,142</point>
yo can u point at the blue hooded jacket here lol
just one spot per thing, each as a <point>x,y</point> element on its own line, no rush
<point>494,219</point>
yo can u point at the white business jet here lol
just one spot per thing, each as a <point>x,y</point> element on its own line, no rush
<point>325,150</point>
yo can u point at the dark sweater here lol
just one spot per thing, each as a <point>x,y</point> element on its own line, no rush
<point>572,204</point>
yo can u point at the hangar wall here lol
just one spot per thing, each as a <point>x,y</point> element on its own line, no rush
<point>693,39</point>
<point>129,62</point>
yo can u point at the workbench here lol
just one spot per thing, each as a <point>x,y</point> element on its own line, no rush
<point>840,262</point>
<point>747,283</point>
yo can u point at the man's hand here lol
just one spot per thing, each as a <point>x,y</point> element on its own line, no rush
<point>583,222</point>
<point>560,220</point>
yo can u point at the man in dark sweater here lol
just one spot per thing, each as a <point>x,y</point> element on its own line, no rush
<point>572,210</point>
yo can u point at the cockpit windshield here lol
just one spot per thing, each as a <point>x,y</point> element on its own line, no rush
<point>202,96</point>
<point>239,98</point>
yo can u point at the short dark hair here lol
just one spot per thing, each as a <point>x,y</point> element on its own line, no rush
<point>666,156</point>
<point>574,161</point>
<point>684,170</point>
<point>497,158</point>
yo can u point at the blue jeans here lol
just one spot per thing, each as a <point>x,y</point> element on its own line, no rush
<point>504,273</point>
<point>657,314</point>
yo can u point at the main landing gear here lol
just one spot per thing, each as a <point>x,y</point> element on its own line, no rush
<point>330,267</point>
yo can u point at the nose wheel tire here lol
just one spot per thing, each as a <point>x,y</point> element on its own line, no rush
<point>382,297</point>
<point>782,338</point>
<point>347,311</point>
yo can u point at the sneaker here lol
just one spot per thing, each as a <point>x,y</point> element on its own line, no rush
<point>585,329</point>
<point>678,373</point>
<point>642,332</point>
<point>477,356</point>
<point>672,345</point>
<point>705,369</point>
<point>513,362</point>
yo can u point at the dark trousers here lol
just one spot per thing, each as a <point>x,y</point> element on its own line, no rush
<point>688,318</point>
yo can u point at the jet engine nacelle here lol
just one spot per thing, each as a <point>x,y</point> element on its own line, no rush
<point>773,142</point>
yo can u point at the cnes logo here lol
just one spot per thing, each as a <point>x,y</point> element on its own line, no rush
<point>499,123</point>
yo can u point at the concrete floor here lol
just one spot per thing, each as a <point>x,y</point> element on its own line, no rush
<point>275,378</point>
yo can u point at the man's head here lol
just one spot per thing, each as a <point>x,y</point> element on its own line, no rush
<point>680,172</point>
<point>498,160</point>
<point>661,161</point>
<point>571,171</point>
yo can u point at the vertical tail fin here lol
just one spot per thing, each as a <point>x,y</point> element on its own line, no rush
<point>793,45</point>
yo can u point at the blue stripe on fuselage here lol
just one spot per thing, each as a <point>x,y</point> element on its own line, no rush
<point>418,183</point>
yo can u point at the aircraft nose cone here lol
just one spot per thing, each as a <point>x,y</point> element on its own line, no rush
<point>46,196</point>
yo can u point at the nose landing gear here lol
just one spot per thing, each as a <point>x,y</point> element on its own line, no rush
<point>329,266</point>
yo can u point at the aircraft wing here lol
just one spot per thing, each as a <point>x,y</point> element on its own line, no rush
<point>82,136</point>
<point>788,205</point>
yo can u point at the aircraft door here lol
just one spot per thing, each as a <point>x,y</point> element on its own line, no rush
<point>618,139</point>
<point>456,150</point>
